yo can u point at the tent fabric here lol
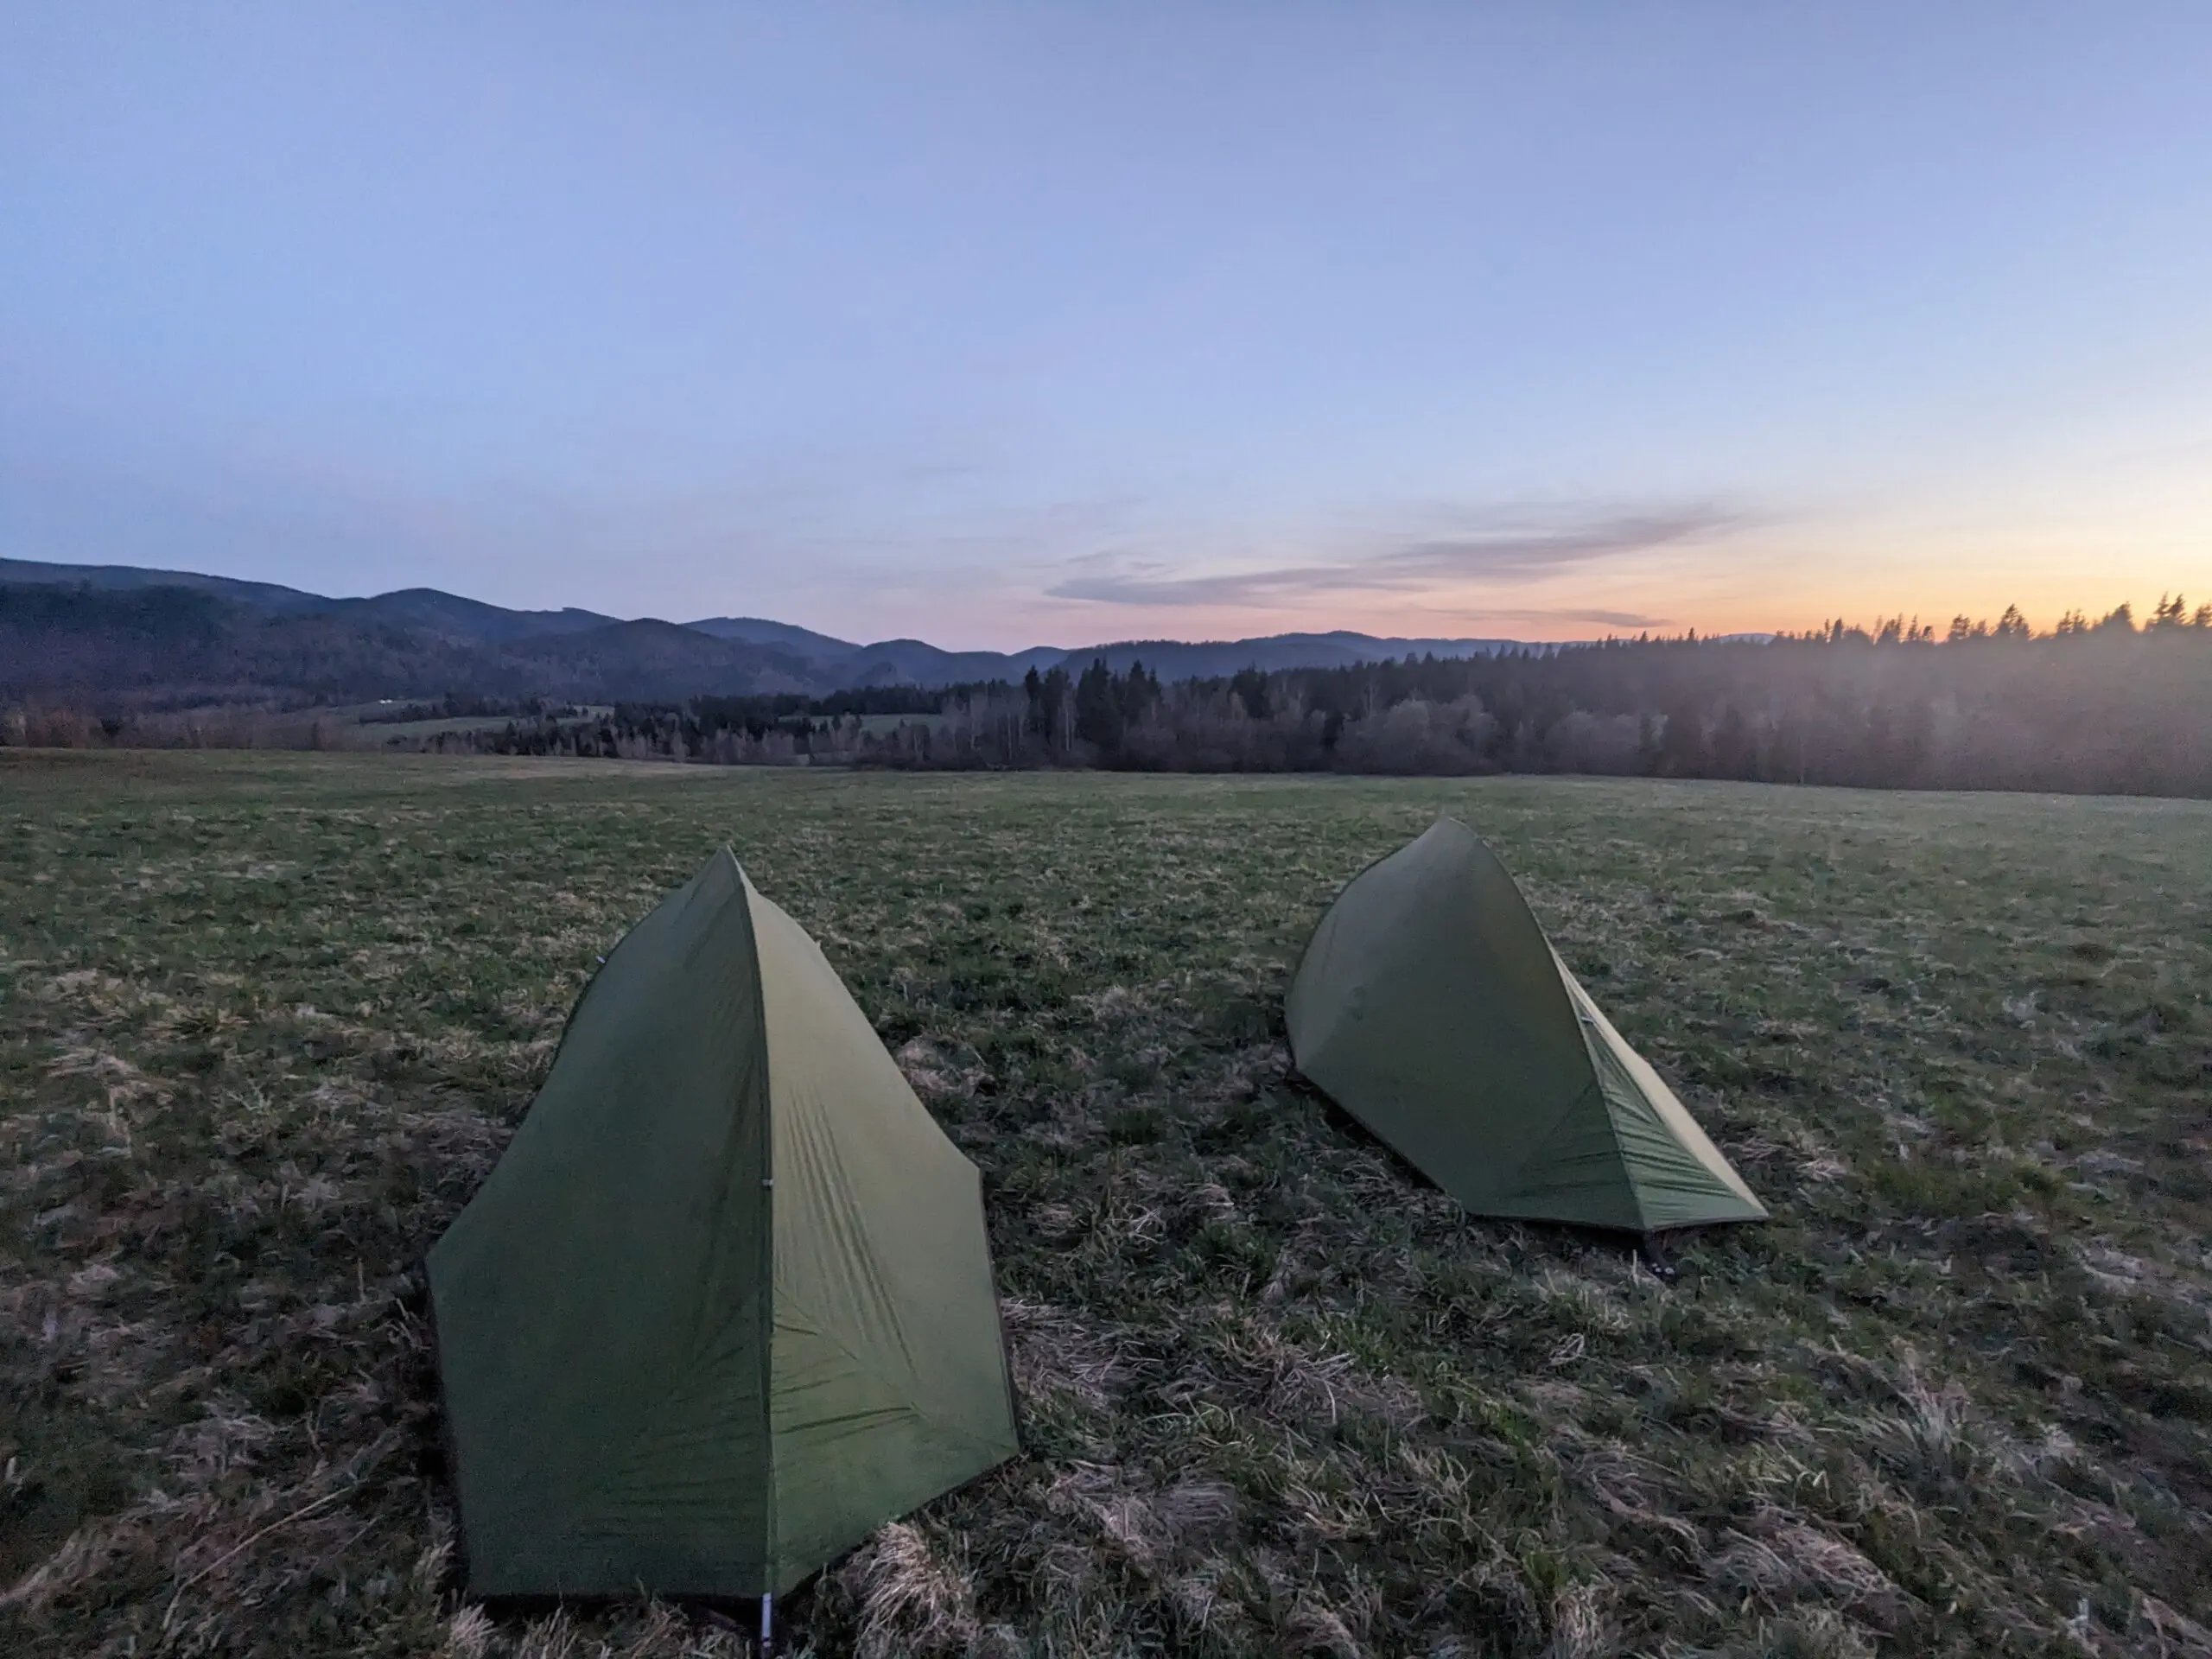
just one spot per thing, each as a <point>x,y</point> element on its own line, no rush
<point>725,1305</point>
<point>1430,1006</point>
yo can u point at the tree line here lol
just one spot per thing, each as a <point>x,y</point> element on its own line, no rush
<point>2103,705</point>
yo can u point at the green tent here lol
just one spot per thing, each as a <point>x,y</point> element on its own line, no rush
<point>725,1305</point>
<point>1431,1007</point>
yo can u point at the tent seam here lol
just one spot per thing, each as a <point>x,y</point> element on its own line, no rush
<point>765,1163</point>
<point>1605,1105</point>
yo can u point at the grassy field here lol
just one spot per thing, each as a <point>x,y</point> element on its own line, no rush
<point>266,1021</point>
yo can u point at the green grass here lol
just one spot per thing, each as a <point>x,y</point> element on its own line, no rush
<point>266,1021</point>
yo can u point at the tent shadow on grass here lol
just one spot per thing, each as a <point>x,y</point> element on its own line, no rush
<point>1655,1251</point>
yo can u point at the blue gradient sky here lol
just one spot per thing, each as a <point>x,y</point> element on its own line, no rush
<point>998,325</point>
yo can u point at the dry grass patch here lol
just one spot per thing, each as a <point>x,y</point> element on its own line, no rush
<point>266,1021</point>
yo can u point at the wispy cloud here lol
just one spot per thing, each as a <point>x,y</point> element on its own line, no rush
<point>1496,551</point>
<point>1610,619</point>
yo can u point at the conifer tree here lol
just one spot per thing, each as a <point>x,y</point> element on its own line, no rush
<point>1097,717</point>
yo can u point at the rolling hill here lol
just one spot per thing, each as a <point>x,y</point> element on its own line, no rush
<point>129,635</point>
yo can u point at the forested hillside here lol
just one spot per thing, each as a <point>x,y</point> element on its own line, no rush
<point>102,642</point>
<point>172,647</point>
<point>2102,707</point>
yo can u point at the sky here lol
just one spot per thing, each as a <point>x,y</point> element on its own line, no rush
<point>1008,325</point>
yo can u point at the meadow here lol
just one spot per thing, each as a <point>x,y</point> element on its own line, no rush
<point>266,1021</point>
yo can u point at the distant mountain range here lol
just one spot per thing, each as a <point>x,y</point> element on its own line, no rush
<point>122,632</point>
